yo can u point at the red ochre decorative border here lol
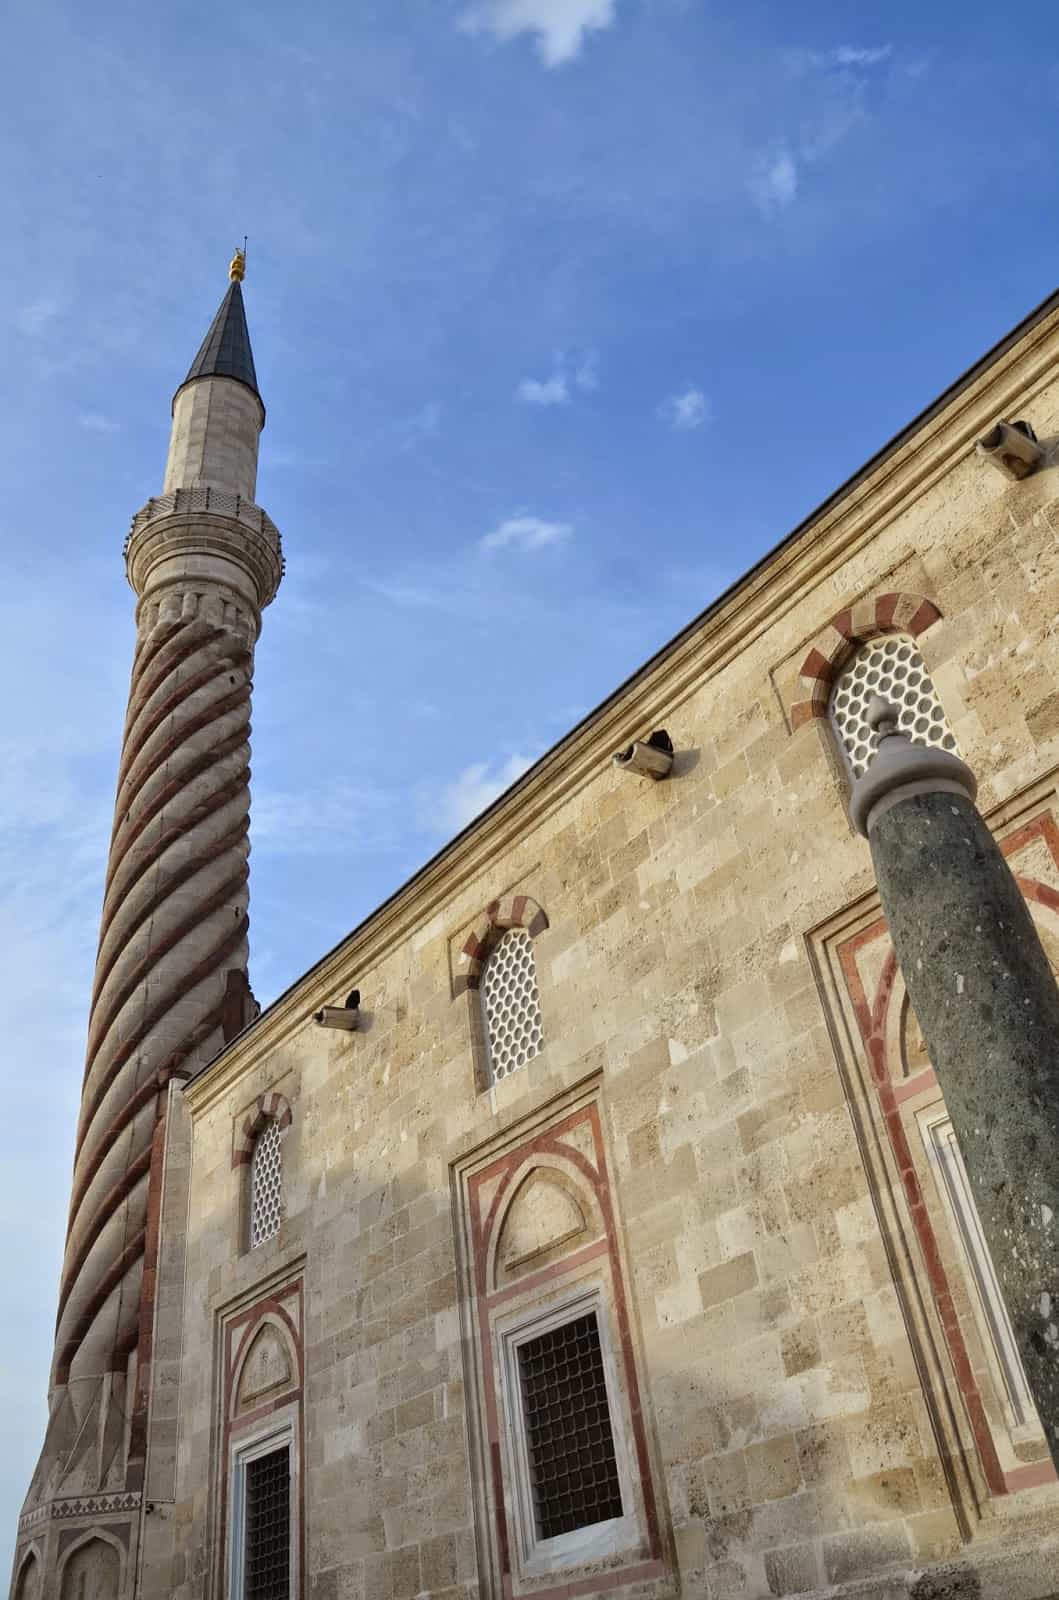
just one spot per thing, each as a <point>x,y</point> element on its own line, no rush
<point>271,1107</point>
<point>512,911</point>
<point>483,1224</point>
<point>853,626</point>
<point>286,1306</point>
<point>872,1022</point>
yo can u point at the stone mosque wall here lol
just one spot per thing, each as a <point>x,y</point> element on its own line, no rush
<point>688,1159</point>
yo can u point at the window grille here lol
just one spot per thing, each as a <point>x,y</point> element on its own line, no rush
<point>573,1469</point>
<point>267,1560</point>
<point>266,1185</point>
<point>511,1004</point>
<point>892,667</point>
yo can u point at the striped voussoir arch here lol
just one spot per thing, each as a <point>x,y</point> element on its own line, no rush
<point>896,612</point>
<point>270,1107</point>
<point>512,911</point>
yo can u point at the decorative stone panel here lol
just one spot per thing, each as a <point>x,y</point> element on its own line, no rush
<point>541,1255</point>
<point>261,1383</point>
<point>905,1107</point>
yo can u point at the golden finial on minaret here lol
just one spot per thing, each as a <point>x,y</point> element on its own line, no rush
<point>237,265</point>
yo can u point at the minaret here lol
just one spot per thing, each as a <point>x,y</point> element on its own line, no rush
<point>170,981</point>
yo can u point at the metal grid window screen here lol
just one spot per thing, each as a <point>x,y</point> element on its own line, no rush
<point>266,1186</point>
<point>511,1004</point>
<point>894,668</point>
<point>573,1469</point>
<point>267,1564</point>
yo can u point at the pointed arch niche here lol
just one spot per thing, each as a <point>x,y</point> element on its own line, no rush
<point>92,1568</point>
<point>28,1581</point>
<point>544,1274</point>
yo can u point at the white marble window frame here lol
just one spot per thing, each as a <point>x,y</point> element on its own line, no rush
<point>277,1431</point>
<point>599,1540</point>
<point>987,1302</point>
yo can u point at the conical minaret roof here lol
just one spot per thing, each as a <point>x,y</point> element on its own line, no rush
<point>225,352</point>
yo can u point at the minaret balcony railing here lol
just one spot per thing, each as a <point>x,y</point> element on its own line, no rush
<point>199,498</point>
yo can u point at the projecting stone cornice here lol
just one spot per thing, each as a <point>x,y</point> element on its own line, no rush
<point>937,443</point>
<point>190,525</point>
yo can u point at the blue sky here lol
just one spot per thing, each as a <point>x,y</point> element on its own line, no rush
<point>564,311</point>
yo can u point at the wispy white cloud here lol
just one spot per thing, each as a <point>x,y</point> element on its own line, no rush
<point>686,409</point>
<point>527,533</point>
<point>775,183</point>
<point>476,787</point>
<point>559,27</point>
<point>335,817</point>
<point>96,422</point>
<point>34,317</point>
<point>587,375</point>
<point>848,55</point>
<point>850,58</point>
<point>553,391</point>
<point>411,596</point>
<point>426,419</point>
<point>841,79</point>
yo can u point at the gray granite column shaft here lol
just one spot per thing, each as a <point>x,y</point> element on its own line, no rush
<point>988,1007</point>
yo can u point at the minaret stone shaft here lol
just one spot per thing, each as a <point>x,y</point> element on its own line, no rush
<point>170,981</point>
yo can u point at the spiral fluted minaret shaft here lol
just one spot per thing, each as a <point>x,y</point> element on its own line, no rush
<point>170,980</point>
<point>174,924</point>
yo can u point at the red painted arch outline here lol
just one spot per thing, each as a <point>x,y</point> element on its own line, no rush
<point>894,612</point>
<point>511,911</point>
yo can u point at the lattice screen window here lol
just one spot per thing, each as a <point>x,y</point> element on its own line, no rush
<point>511,1004</point>
<point>892,667</point>
<point>570,1443</point>
<point>266,1186</point>
<point>266,1555</point>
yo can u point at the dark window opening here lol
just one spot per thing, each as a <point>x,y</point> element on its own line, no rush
<point>267,1565</point>
<point>573,1469</point>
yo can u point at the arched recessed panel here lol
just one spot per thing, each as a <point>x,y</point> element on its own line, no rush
<point>93,1572</point>
<point>267,1369</point>
<point>28,1586</point>
<point>548,1211</point>
<point>542,1218</point>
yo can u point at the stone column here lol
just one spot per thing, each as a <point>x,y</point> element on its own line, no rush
<point>987,1003</point>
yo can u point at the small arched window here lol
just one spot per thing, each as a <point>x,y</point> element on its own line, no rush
<point>511,1007</point>
<point>890,666</point>
<point>266,1185</point>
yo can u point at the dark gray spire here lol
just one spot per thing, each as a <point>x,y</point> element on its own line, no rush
<point>225,352</point>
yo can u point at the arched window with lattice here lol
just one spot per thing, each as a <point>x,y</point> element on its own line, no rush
<point>265,1211</point>
<point>890,666</point>
<point>511,1010</point>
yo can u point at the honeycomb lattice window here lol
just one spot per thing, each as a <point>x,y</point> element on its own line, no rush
<point>511,1005</point>
<point>266,1185</point>
<point>573,1468</point>
<point>892,667</point>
